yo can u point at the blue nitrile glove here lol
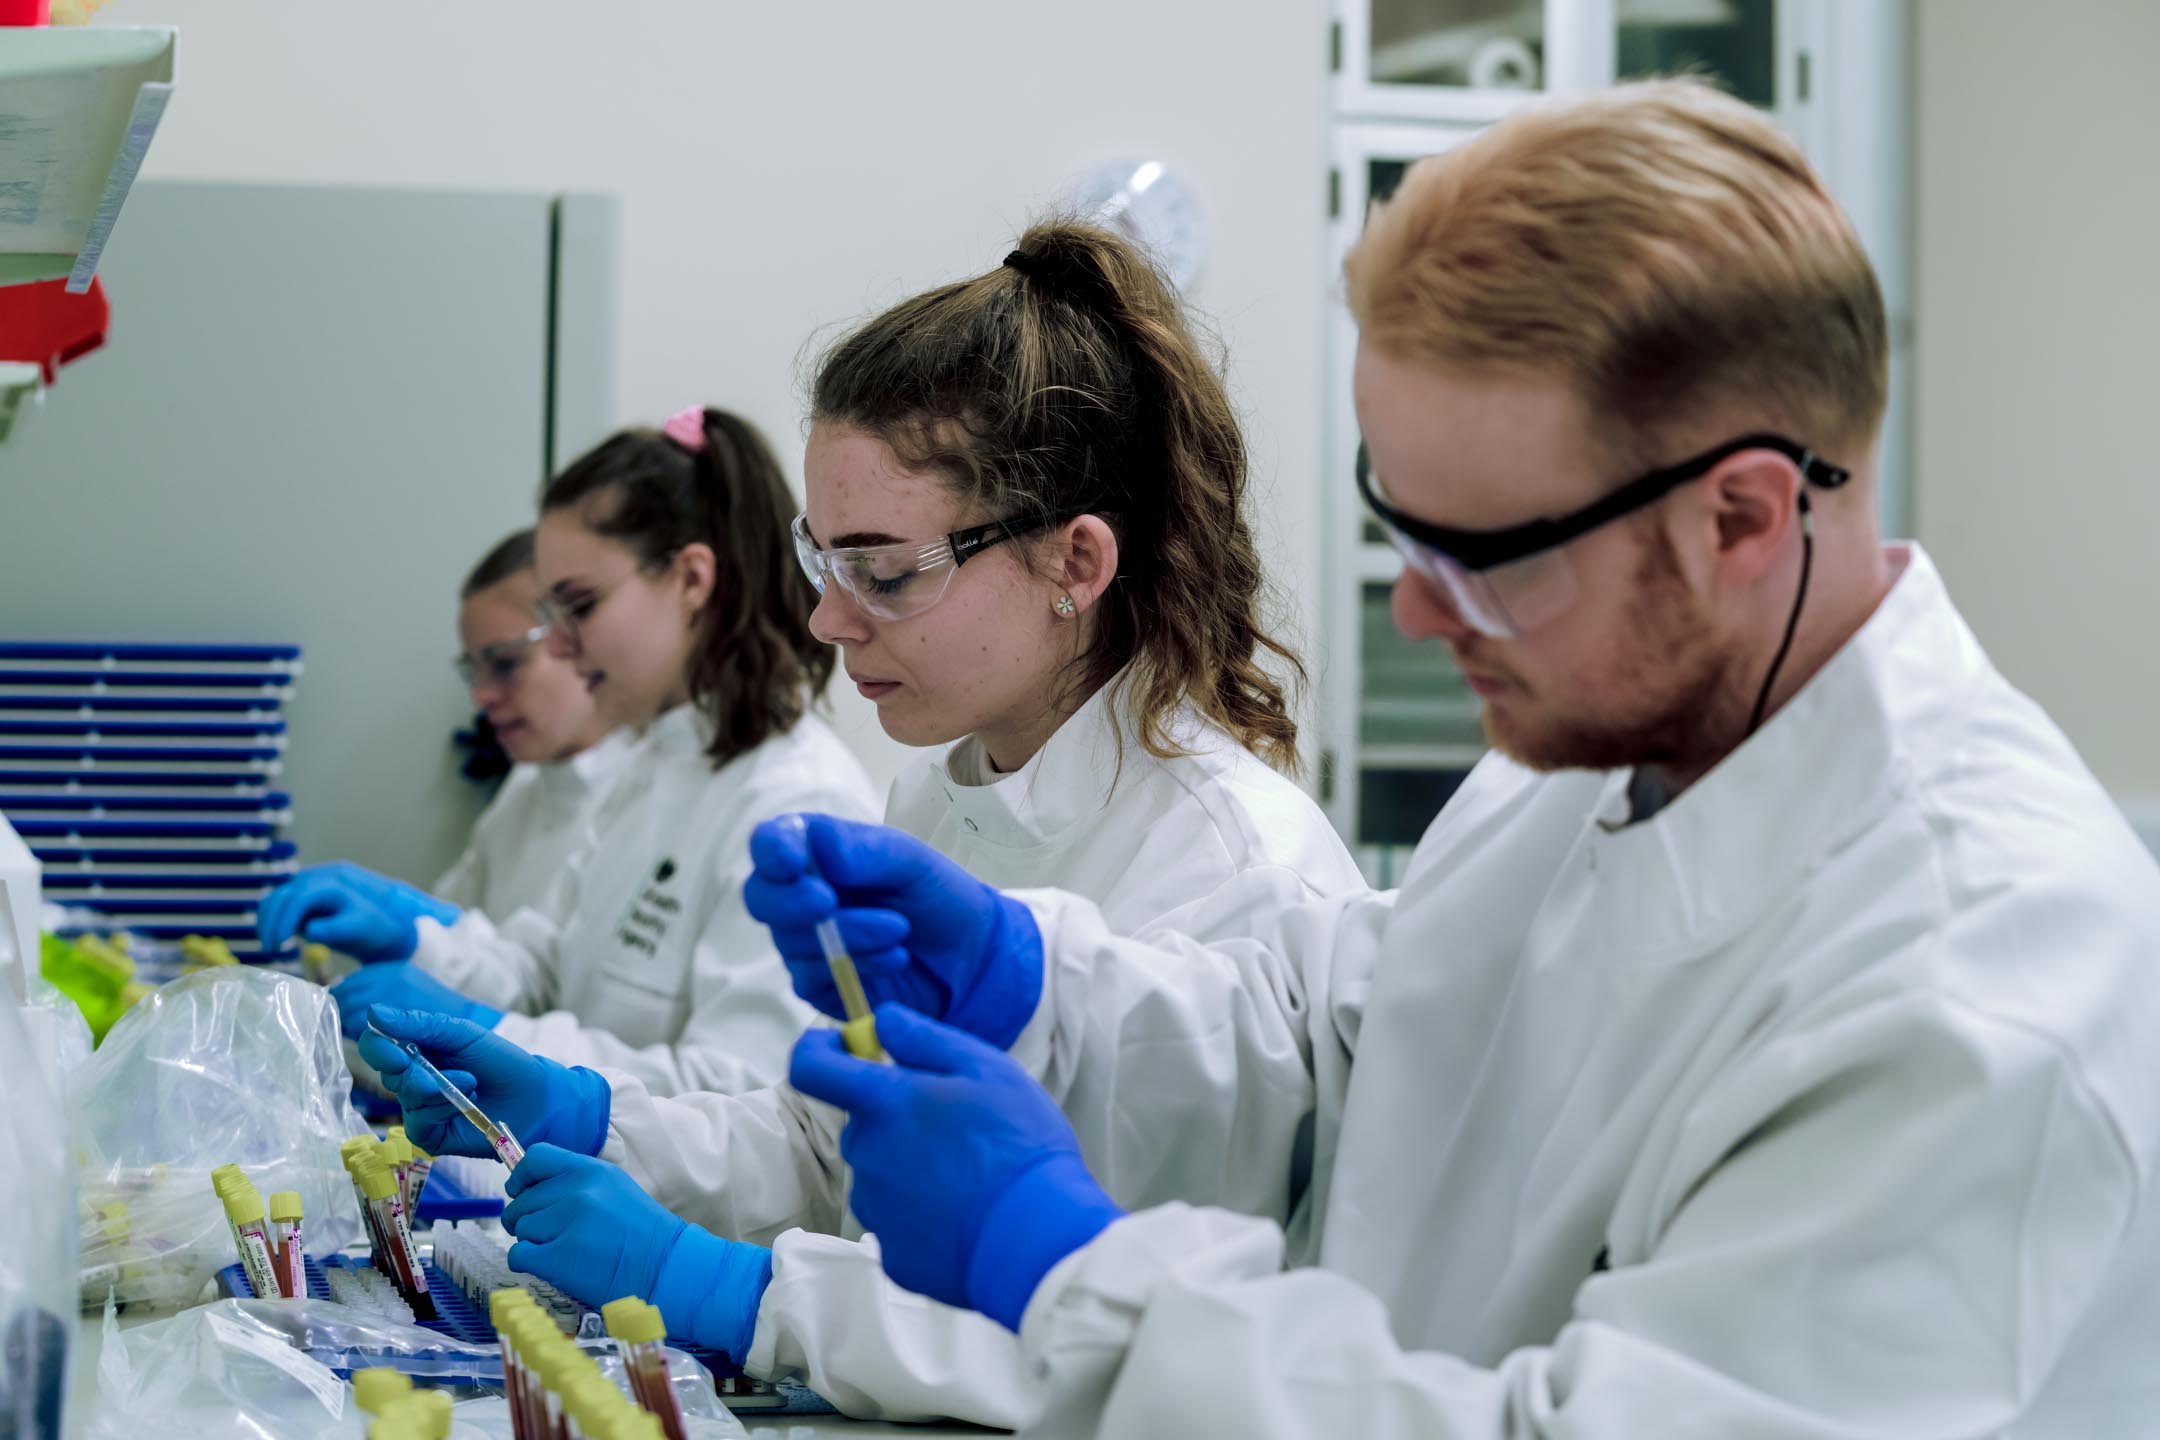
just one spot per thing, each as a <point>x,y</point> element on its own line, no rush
<point>405,986</point>
<point>586,1228</point>
<point>923,932</point>
<point>348,908</point>
<point>543,1103</point>
<point>965,1168</point>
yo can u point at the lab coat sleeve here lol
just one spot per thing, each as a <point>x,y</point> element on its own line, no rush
<point>746,1166</point>
<point>510,967</point>
<point>1204,1071</point>
<point>831,1320</point>
<point>743,1013</point>
<point>1888,1222</point>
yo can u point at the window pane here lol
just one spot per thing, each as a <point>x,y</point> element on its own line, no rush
<point>1475,44</point>
<point>1732,42</point>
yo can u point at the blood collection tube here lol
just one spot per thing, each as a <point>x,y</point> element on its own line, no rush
<point>291,1253</point>
<point>396,1152</point>
<point>525,1332</point>
<point>389,1208</point>
<point>417,1166</point>
<point>378,1253</point>
<point>639,1331</point>
<point>244,1213</point>
<point>502,1304</point>
<point>350,1152</point>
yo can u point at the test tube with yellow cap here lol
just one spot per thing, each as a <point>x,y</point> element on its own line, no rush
<point>502,1304</point>
<point>859,1032</point>
<point>388,1207</point>
<point>244,1215</point>
<point>397,1153</point>
<point>639,1332</point>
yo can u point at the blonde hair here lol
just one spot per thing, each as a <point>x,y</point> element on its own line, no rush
<point>1660,246</point>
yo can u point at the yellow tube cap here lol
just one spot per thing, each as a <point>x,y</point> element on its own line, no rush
<point>285,1205</point>
<point>593,1402</point>
<point>244,1207</point>
<point>376,1181</point>
<point>432,1413</point>
<point>633,1320</point>
<point>375,1388</point>
<point>396,1150</point>
<point>504,1303</point>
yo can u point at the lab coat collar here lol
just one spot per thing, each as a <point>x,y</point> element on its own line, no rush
<point>682,731</point>
<point>1839,755</point>
<point>567,786</point>
<point>1066,783</point>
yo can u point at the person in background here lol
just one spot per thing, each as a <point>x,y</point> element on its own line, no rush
<point>1027,511</point>
<point>1761,1041</point>
<point>669,586</point>
<point>564,754</point>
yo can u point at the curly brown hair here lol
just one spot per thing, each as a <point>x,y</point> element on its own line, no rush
<point>755,668</point>
<point>1071,381</point>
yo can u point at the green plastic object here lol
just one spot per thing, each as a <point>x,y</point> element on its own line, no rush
<point>96,974</point>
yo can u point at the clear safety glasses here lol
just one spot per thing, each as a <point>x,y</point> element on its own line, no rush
<point>895,582</point>
<point>498,664</point>
<point>1504,582</point>
<point>567,614</point>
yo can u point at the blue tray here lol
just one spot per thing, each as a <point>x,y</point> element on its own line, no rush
<point>444,1199</point>
<point>95,652</point>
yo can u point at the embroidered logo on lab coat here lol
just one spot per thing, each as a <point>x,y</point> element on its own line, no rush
<point>646,923</point>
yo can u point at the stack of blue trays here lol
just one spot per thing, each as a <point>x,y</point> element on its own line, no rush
<point>143,778</point>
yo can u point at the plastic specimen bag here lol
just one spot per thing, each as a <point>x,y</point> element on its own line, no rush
<point>37,1244</point>
<point>234,1064</point>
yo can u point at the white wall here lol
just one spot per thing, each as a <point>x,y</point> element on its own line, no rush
<point>2038,306</point>
<point>787,167</point>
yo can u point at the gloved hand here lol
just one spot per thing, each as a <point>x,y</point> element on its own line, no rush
<point>542,1102</point>
<point>368,916</point>
<point>922,931</point>
<point>965,1168</point>
<point>586,1228</point>
<point>404,985</point>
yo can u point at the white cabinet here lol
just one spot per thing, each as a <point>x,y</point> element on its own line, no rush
<point>1413,77</point>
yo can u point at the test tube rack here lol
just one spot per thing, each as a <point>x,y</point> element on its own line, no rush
<point>455,1316</point>
<point>459,1319</point>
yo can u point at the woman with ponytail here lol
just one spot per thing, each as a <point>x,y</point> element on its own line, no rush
<point>667,582</point>
<point>1026,518</point>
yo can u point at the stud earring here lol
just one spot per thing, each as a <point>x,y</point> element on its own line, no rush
<point>1065,607</point>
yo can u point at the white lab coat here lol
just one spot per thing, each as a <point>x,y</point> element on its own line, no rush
<point>540,818</point>
<point>1186,842</point>
<point>1821,1104</point>
<point>643,959</point>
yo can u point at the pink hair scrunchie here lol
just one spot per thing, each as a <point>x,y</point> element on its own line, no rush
<point>686,427</point>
